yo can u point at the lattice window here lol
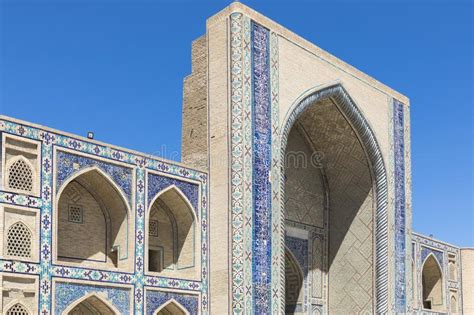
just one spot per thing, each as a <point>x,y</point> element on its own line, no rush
<point>17,309</point>
<point>153,228</point>
<point>20,176</point>
<point>19,241</point>
<point>75,214</point>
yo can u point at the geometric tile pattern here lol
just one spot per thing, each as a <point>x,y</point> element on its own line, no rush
<point>154,299</point>
<point>262,142</point>
<point>400,206</point>
<point>128,170</point>
<point>157,183</point>
<point>254,102</point>
<point>69,164</point>
<point>67,293</point>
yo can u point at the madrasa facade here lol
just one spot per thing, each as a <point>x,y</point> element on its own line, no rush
<point>293,196</point>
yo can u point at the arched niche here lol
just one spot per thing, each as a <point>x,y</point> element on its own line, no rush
<point>432,282</point>
<point>293,284</point>
<point>93,220</point>
<point>91,304</point>
<point>454,303</point>
<point>171,224</point>
<point>343,187</point>
<point>172,307</point>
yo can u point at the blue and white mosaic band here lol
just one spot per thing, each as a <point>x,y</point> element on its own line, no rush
<point>400,206</point>
<point>262,149</point>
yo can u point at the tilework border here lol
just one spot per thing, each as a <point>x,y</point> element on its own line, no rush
<point>262,198</point>
<point>237,151</point>
<point>353,114</point>
<point>67,294</point>
<point>400,206</point>
<point>47,270</point>
<point>155,299</point>
<point>278,234</point>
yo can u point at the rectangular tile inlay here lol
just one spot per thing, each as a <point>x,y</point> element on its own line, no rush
<point>262,148</point>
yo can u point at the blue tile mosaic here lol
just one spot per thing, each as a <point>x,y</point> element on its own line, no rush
<point>155,299</point>
<point>156,184</point>
<point>425,251</point>
<point>400,206</point>
<point>67,293</point>
<point>262,148</point>
<point>299,249</point>
<point>68,164</point>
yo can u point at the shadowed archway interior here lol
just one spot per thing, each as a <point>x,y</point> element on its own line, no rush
<point>330,203</point>
<point>432,281</point>
<point>92,222</point>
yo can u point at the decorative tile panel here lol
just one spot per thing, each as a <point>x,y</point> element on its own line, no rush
<point>262,198</point>
<point>157,183</point>
<point>237,187</point>
<point>67,293</point>
<point>425,252</point>
<point>155,299</point>
<point>400,207</point>
<point>69,164</point>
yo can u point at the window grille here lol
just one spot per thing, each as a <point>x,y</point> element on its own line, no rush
<point>153,228</point>
<point>17,309</point>
<point>20,176</point>
<point>19,241</point>
<point>75,214</point>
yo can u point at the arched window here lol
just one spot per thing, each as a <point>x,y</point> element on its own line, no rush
<point>170,232</point>
<point>293,283</point>
<point>17,309</point>
<point>172,307</point>
<point>92,305</point>
<point>20,175</point>
<point>19,240</point>
<point>432,281</point>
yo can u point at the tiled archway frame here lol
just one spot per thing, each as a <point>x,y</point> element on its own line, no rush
<point>47,270</point>
<point>362,128</point>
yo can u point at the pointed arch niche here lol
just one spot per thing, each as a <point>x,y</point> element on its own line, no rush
<point>93,222</point>
<point>293,284</point>
<point>172,307</point>
<point>91,304</point>
<point>171,244</point>
<point>432,282</point>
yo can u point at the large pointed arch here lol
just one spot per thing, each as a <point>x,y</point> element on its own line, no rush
<point>363,131</point>
<point>118,218</point>
<point>106,307</point>
<point>171,307</point>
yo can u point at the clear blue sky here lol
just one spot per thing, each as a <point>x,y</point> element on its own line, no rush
<point>116,67</point>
